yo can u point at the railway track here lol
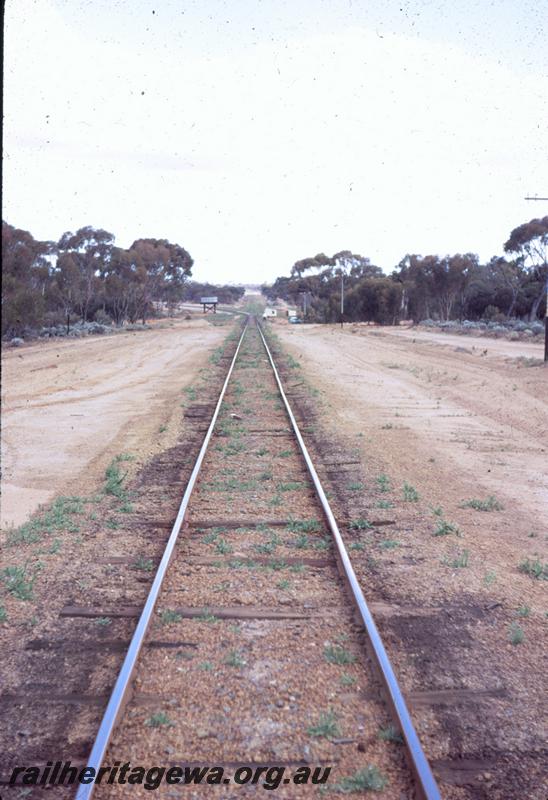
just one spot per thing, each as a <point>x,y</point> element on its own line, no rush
<point>255,648</point>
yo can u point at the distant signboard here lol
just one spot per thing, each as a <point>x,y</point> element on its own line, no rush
<point>209,304</point>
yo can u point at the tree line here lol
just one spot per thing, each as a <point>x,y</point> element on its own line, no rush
<point>424,287</point>
<point>225,293</point>
<point>84,276</point>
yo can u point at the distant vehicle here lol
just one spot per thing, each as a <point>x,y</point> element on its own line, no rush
<point>269,312</point>
<point>295,320</point>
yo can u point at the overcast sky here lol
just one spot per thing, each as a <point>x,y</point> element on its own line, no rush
<point>258,132</point>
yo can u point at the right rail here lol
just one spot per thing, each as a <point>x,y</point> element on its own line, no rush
<point>425,781</point>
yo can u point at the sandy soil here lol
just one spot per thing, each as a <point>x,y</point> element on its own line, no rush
<point>466,402</point>
<point>492,346</point>
<point>69,406</point>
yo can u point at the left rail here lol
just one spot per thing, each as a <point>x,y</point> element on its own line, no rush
<point>122,686</point>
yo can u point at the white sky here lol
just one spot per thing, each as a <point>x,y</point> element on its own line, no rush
<point>255,133</point>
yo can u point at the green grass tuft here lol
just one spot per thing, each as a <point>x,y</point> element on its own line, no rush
<point>489,504</point>
<point>410,494</point>
<point>383,482</point>
<point>159,720</point>
<point>490,577</point>
<point>208,617</point>
<point>516,634</point>
<point>390,734</point>
<point>367,779</point>
<point>444,528</point>
<point>336,654</point>
<point>385,504</point>
<point>290,486</point>
<point>360,524</point>
<point>234,659</point>
<point>114,480</point>
<point>303,525</point>
<point>55,518</point>
<point>459,562</point>
<point>326,726</point>
<point>146,564</point>
<point>18,582</point>
<point>534,568</point>
<point>169,617</point>
<point>223,547</point>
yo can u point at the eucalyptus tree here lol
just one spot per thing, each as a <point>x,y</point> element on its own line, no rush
<point>26,279</point>
<point>530,242</point>
<point>83,258</point>
<point>160,271</point>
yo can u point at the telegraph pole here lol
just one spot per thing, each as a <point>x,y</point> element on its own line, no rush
<point>546,326</point>
<point>546,311</point>
<point>342,297</point>
<point>306,296</point>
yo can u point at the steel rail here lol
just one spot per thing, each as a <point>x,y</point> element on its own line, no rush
<point>425,782</point>
<point>119,693</point>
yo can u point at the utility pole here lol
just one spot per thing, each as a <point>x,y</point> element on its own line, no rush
<point>306,302</point>
<point>546,311</point>
<point>342,297</point>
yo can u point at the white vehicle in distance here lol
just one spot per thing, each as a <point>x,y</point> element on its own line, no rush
<point>269,312</point>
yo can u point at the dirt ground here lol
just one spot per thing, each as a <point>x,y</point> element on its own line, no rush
<point>68,407</point>
<point>469,404</point>
<point>501,347</point>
